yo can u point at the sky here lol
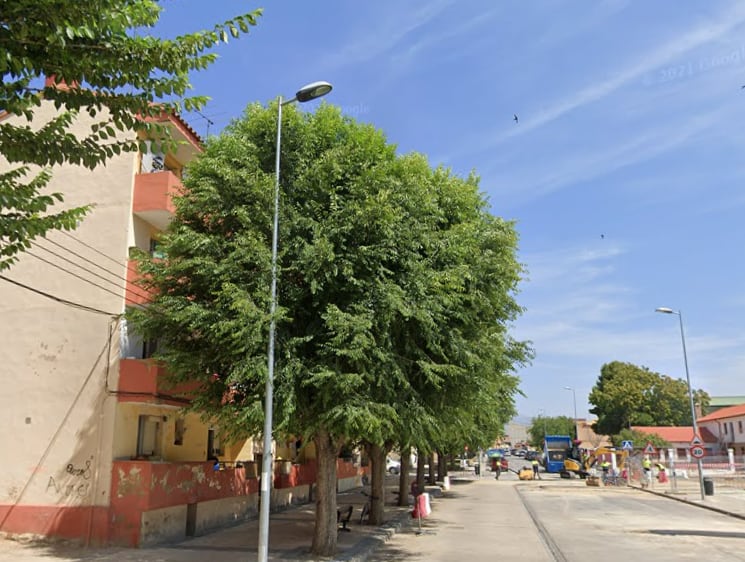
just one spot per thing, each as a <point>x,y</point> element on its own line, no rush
<point>624,173</point>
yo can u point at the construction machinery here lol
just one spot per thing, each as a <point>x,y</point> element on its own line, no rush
<point>582,466</point>
<point>555,448</point>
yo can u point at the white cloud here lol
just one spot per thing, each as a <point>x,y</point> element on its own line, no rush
<point>425,43</point>
<point>589,165</point>
<point>381,38</point>
<point>544,268</point>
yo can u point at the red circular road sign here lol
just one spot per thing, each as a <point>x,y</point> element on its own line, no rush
<point>697,452</point>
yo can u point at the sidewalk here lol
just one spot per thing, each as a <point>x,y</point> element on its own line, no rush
<point>729,501</point>
<point>290,538</point>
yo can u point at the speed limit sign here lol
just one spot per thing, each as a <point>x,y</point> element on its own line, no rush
<point>697,452</point>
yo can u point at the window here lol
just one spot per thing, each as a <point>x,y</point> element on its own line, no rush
<point>725,428</point>
<point>152,161</point>
<point>178,431</point>
<point>213,444</point>
<point>154,251</point>
<point>739,426</point>
<point>148,436</point>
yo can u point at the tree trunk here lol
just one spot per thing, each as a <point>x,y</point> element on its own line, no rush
<point>432,479</point>
<point>420,462</point>
<point>442,467</point>
<point>324,535</point>
<point>403,477</point>
<point>377,485</point>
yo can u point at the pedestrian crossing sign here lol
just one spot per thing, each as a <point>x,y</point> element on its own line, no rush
<point>649,449</point>
<point>696,441</point>
<point>627,446</point>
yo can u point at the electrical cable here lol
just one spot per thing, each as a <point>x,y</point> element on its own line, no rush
<point>58,299</point>
<point>102,268</point>
<point>124,288</point>
<point>29,252</point>
<point>99,252</point>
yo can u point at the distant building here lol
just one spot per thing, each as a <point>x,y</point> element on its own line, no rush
<point>727,426</point>
<point>680,438</point>
<point>719,402</point>
<point>588,439</point>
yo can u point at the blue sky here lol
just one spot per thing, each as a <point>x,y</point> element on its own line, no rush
<point>625,173</point>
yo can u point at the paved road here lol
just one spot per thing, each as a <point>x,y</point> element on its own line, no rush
<point>560,520</point>
<point>622,524</point>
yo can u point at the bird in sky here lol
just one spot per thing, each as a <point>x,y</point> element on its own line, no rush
<point>514,116</point>
<point>602,236</point>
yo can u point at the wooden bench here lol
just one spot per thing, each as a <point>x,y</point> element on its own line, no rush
<point>343,515</point>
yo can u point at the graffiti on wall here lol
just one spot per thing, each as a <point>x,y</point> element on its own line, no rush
<point>75,482</point>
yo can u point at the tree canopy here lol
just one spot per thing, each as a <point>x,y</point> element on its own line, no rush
<point>549,425</point>
<point>103,65</point>
<point>396,293</point>
<point>627,395</point>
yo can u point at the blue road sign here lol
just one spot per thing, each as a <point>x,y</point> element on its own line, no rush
<point>627,445</point>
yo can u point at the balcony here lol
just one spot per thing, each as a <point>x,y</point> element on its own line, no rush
<point>153,197</point>
<point>135,295</point>
<point>144,380</point>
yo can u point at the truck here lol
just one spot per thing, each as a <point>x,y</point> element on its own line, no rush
<point>555,450</point>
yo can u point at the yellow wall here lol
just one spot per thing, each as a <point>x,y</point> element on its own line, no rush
<point>194,443</point>
<point>194,447</point>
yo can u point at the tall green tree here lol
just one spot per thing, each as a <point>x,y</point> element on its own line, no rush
<point>359,253</point>
<point>450,336</point>
<point>627,395</point>
<point>103,65</point>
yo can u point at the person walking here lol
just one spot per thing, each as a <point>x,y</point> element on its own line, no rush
<point>536,474</point>
<point>647,471</point>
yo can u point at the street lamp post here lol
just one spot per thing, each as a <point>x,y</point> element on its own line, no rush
<point>306,93</point>
<point>574,401</point>
<point>542,413</point>
<point>666,310</point>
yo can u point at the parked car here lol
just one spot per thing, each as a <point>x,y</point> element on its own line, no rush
<point>392,466</point>
<point>521,452</point>
<point>530,455</point>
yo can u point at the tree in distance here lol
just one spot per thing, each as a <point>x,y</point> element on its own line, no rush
<point>549,425</point>
<point>626,395</point>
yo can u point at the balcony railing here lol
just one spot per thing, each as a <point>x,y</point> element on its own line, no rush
<point>144,380</point>
<point>153,197</point>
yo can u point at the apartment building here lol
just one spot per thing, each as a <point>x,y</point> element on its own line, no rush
<point>97,448</point>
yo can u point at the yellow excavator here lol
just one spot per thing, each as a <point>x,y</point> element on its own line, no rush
<point>582,467</point>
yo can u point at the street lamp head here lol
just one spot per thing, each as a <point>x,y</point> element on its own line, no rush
<point>665,310</point>
<point>568,388</point>
<point>313,91</point>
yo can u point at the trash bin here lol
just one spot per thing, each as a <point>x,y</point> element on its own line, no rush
<point>477,467</point>
<point>708,486</point>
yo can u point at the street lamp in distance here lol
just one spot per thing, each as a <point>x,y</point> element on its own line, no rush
<point>574,401</point>
<point>666,310</point>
